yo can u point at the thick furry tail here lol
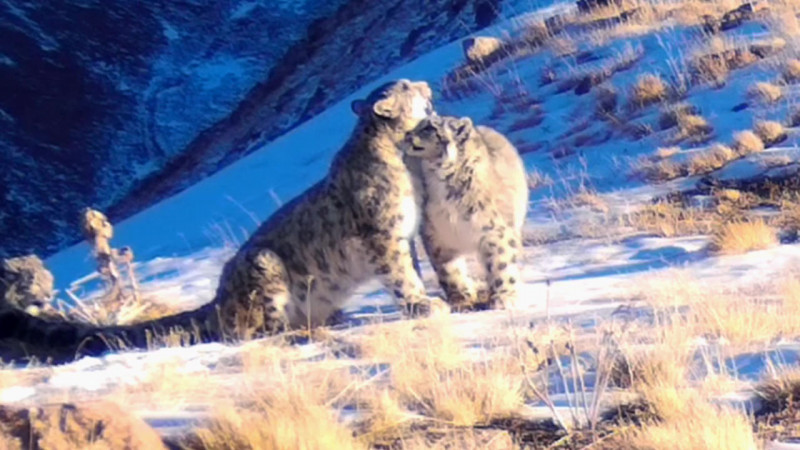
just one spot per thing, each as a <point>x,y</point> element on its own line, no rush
<point>26,337</point>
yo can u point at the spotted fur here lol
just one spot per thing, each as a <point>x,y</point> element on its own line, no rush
<point>25,283</point>
<point>475,201</point>
<point>301,265</point>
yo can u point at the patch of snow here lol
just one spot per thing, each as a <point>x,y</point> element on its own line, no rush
<point>16,394</point>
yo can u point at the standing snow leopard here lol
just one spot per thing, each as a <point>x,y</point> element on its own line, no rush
<point>475,200</point>
<point>301,265</point>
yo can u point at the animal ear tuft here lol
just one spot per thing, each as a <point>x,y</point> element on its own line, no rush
<point>358,107</point>
<point>463,126</point>
<point>425,89</point>
<point>385,108</point>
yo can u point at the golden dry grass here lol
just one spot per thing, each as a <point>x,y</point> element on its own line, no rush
<point>791,71</point>
<point>731,195</point>
<point>658,170</point>
<point>711,159</point>
<point>718,57</point>
<point>679,413</point>
<point>590,199</point>
<point>669,219</point>
<point>666,152</point>
<point>781,389</point>
<point>648,89</point>
<point>431,374</point>
<point>770,132</point>
<point>743,236</point>
<point>286,418</point>
<point>741,319</point>
<point>699,426</point>
<point>693,127</point>
<point>746,142</point>
<point>763,92</point>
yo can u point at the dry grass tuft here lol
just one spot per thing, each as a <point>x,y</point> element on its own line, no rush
<point>666,152</point>
<point>431,374</point>
<point>693,127</point>
<point>649,89</point>
<point>731,195</point>
<point>743,236</point>
<point>289,413</point>
<point>718,59</point>
<point>669,219</point>
<point>590,199</point>
<point>770,132</point>
<point>791,71</point>
<point>537,179</point>
<point>781,390</point>
<point>277,425</point>
<point>766,93</point>
<point>689,124</point>
<point>700,425</point>
<point>746,142</point>
<point>711,159</point>
<point>658,170</point>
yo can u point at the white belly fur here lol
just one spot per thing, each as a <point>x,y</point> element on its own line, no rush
<point>410,212</point>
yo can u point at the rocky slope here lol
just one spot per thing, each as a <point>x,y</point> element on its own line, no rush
<point>118,105</point>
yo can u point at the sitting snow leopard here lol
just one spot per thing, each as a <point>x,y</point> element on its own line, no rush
<point>475,200</point>
<point>303,263</point>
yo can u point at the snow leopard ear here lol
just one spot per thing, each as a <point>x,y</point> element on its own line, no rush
<point>386,108</point>
<point>359,107</point>
<point>425,89</point>
<point>462,127</point>
<point>464,124</point>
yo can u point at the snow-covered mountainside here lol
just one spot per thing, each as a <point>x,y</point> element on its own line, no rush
<point>117,105</point>
<point>660,261</point>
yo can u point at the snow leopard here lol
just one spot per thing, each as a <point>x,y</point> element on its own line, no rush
<point>303,263</point>
<point>25,283</point>
<point>475,200</point>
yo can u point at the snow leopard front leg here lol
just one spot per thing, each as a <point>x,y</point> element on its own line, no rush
<point>393,264</point>
<point>451,271</point>
<point>499,251</point>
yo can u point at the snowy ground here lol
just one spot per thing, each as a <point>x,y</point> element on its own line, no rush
<point>183,241</point>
